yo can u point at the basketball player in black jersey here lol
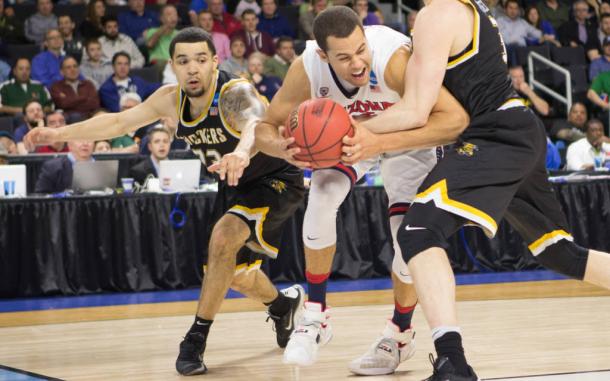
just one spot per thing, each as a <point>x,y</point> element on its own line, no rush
<point>216,114</point>
<point>495,169</point>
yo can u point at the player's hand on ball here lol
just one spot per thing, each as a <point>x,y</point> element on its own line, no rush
<point>231,167</point>
<point>363,145</point>
<point>287,153</point>
<point>40,136</point>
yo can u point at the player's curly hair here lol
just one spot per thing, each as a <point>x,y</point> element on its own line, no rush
<point>338,21</point>
<point>192,35</point>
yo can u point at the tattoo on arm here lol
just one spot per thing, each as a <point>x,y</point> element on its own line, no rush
<point>240,105</point>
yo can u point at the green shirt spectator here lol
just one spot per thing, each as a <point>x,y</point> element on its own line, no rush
<point>122,142</point>
<point>278,65</point>
<point>554,11</point>
<point>600,88</point>
<point>158,39</point>
<point>16,92</point>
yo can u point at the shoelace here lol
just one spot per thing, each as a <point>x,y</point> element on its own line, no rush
<point>275,319</point>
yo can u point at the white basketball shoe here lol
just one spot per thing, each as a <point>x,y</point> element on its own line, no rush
<point>386,353</point>
<point>312,331</point>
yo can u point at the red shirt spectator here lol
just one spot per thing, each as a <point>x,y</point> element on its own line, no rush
<point>224,22</point>
<point>74,95</point>
<point>255,40</point>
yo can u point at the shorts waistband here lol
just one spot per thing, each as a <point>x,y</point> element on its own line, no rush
<point>512,103</point>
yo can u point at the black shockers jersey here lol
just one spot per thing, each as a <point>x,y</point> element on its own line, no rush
<point>210,136</point>
<point>478,76</point>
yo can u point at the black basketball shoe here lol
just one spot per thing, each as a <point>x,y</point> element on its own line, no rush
<point>444,371</point>
<point>190,359</point>
<point>284,324</point>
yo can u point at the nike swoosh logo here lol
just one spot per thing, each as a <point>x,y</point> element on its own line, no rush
<point>312,238</point>
<point>403,274</point>
<point>409,228</point>
<point>199,323</point>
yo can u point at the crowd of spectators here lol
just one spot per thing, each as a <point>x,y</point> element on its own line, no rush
<point>116,54</point>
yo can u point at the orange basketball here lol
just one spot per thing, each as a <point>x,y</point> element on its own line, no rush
<point>318,126</point>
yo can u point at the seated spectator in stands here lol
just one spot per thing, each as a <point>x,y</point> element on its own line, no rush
<point>33,116</point>
<point>532,16</point>
<point>236,64</point>
<point>256,41</point>
<point>246,4</point>
<point>73,45</point>
<point>272,22</point>
<point>159,140</point>
<point>224,22</point>
<point>158,39</point>
<point>554,11</point>
<point>11,28</point>
<point>266,85</point>
<point>91,27</point>
<point>583,153</point>
<point>220,40</point>
<point>113,42</point>
<point>195,8</point>
<point>278,65</point>
<point>599,90</point>
<point>601,64</point>
<point>306,19</point>
<point>15,92</point>
<point>495,8</point>
<point>37,25</point>
<point>573,128</point>
<point>121,82</point>
<point>553,158</point>
<point>361,7</point>
<point>604,7</point>
<point>135,21</point>
<point>594,46</point>
<point>579,31</point>
<point>55,119</point>
<point>74,95</point>
<point>102,146</point>
<point>94,66</point>
<point>7,140</point>
<point>56,174</point>
<point>126,143</point>
<point>46,66</point>
<point>515,30</point>
<point>5,71</point>
<point>526,93</point>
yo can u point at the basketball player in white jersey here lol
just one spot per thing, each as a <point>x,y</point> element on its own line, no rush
<point>362,69</point>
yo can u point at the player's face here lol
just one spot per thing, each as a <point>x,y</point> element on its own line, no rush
<point>159,145</point>
<point>194,66</point>
<point>349,57</point>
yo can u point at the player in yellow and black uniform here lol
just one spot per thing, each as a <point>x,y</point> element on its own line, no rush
<point>217,114</point>
<point>495,169</point>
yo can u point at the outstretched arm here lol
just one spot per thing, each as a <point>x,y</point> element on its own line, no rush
<point>433,36</point>
<point>108,126</point>
<point>242,108</point>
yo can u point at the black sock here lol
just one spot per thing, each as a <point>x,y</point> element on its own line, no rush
<point>201,326</point>
<point>279,306</point>
<point>450,345</point>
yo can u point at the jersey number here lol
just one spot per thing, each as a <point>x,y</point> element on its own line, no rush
<point>210,156</point>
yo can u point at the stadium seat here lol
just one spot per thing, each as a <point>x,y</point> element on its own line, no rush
<point>149,74</point>
<point>567,56</point>
<point>6,123</point>
<point>523,52</point>
<point>18,51</point>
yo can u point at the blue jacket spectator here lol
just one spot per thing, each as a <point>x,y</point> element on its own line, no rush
<point>136,20</point>
<point>46,65</point>
<point>5,71</point>
<point>121,83</point>
<point>111,91</point>
<point>553,159</point>
<point>272,22</point>
<point>601,64</point>
<point>198,6</point>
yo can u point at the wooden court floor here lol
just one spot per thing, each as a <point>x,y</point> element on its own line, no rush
<point>506,337</point>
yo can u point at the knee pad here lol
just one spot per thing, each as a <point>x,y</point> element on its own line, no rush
<point>565,257</point>
<point>399,267</point>
<point>327,192</point>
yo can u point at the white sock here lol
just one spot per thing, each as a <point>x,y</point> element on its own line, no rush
<point>443,329</point>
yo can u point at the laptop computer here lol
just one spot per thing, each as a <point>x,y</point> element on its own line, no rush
<point>14,173</point>
<point>95,175</point>
<point>179,175</point>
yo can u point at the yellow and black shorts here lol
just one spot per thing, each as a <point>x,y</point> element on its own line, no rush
<point>265,204</point>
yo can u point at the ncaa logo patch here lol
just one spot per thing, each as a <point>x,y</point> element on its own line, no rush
<point>323,91</point>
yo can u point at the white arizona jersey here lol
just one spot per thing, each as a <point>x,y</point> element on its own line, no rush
<point>363,101</point>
